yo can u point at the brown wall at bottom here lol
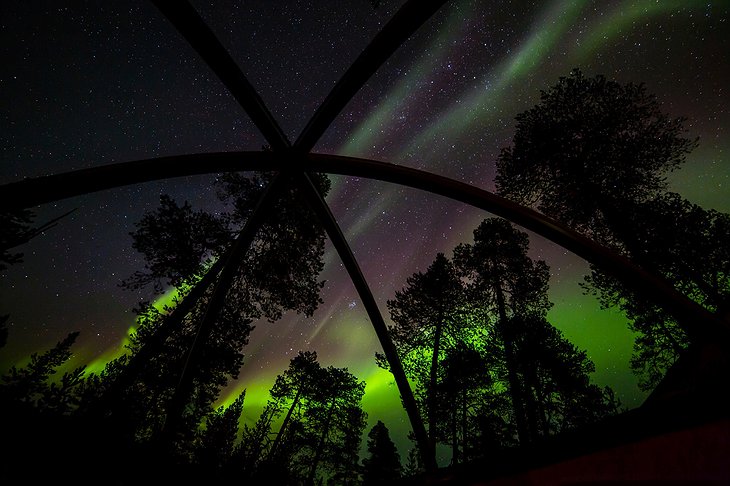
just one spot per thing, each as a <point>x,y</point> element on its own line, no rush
<point>699,455</point>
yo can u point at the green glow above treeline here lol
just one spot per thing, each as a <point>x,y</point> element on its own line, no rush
<point>165,302</point>
<point>602,332</point>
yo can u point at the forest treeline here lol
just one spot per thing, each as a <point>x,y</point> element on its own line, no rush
<point>489,373</point>
<point>488,370</point>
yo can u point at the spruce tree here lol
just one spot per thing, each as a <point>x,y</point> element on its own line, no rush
<point>382,466</point>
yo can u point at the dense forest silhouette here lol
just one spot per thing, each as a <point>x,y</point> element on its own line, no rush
<point>489,371</point>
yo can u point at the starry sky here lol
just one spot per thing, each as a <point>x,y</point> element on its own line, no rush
<point>84,84</point>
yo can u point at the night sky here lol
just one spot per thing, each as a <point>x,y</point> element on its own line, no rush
<point>84,84</point>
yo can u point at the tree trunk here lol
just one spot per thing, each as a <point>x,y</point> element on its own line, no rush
<point>285,423</point>
<point>320,445</point>
<point>433,381</point>
<point>464,428</point>
<point>536,404</point>
<point>516,393</point>
<point>454,437</point>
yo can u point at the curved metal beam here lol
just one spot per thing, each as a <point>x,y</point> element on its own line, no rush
<point>187,21</point>
<point>41,190</point>
<point>696,320</point>
<point>315,200</point>
<point>406,21</point>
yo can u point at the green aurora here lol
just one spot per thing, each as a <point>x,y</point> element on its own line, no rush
<point>352,341</point>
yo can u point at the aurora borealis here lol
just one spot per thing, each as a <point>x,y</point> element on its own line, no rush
<point>104,82</point>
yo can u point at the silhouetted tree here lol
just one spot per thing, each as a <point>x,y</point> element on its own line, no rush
<point>500,366</point>
<point>215,444</point>
<point>595,155</point>
<point>505,281</point>
<point>493,431</point>
<point>278,273</point>
<point>296,385</point>
<point>590,150</point>
<point>547,377</point>
<point>335,420</point>
<point>414,464</point>
<point>427,319</point>
<point>342,430</point>
<point>283,265</point>
<point>15,229</point>
<point>30,385</point>
<point>177,243</point>
<point>254,442</point>
<point>37,411</point>
<point>139,408</point>
<point>556,378</point>
<point>465,390</point>
<point>382,466</point>
<point>321,430</point>
<point>280,269</point>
